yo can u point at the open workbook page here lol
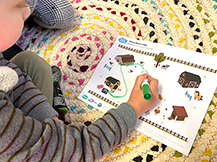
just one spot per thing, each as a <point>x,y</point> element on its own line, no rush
<point>187,82</point>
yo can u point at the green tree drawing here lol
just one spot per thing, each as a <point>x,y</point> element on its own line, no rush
<point>159,58</point>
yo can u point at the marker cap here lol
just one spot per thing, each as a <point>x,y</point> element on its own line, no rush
<point>146,90</point>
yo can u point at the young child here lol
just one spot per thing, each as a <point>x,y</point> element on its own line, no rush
<point>56,14</point>
<point>27,130</point>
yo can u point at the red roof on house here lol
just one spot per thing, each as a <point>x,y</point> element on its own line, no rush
<point>180,111</point>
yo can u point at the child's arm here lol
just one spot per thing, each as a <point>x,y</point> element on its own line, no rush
<point>23,137</point>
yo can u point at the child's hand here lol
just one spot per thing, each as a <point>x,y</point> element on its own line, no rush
<point>137,101</point>
<point>55,118</point>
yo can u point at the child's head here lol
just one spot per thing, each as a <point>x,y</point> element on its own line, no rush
<point>12,16</point>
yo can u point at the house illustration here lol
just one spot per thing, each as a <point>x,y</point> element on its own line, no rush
<point>112,83</point>
<point>189,80</point>
<point>125,59</point>
<point>179,113</point>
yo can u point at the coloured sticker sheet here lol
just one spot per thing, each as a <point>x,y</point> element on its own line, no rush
<point>187,82</point>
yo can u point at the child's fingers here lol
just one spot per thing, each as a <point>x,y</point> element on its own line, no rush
<point>55,118</point>
<point>153,84</point>
<point>153,81</point>
<point>139,80</point>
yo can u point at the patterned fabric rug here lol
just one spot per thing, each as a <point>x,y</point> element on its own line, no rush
<point>97,23</point>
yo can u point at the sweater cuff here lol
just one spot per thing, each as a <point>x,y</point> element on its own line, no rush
<point>126,111</point>
<point>48,112</point>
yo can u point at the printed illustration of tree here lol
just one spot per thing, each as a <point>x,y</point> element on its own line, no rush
<point>159,58</point>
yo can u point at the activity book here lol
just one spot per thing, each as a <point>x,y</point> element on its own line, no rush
<point>187,82</point>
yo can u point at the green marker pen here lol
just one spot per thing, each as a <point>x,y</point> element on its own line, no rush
<point>146,90</point>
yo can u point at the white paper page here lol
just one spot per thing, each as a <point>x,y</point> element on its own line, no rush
<point>176,118</point>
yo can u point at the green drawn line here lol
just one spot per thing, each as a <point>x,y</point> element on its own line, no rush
<point>124,80</point>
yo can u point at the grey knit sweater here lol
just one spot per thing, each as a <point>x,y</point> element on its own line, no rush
<point>27,132</point>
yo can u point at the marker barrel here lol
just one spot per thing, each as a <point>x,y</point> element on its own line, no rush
<point>146,90</point>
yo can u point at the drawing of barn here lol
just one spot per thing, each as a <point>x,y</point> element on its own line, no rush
<point>112,83</point>
<point>179,113</point>
<point>189,80</point>
<point>125,59</point>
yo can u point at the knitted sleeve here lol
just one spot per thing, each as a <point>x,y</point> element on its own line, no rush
<point>27,97</point>
<point>23,138</point>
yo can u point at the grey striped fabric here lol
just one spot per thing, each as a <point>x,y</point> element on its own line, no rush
<point>28,134</point>
<point>27,97</point>
<point>52,13</point>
